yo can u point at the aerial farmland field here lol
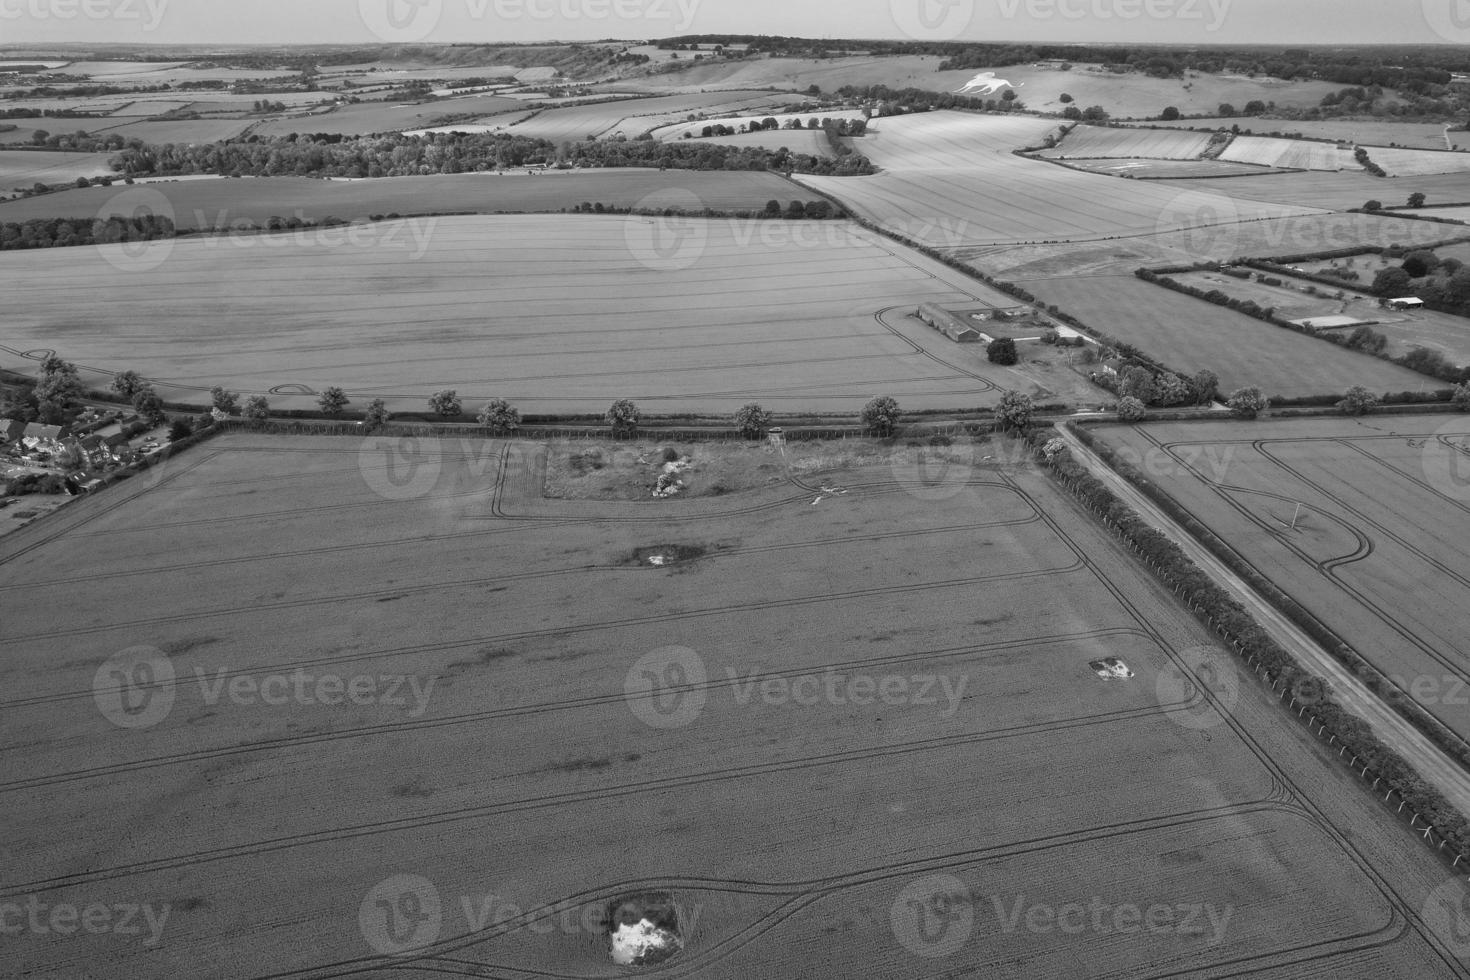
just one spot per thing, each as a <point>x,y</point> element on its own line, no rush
<point>209,202</point>
<point>951,180</point>
<point>1371,132</point>
<point>1419,163</point>
<point>23,168</point>
<point>384,117</point>
<point>1096,141</point>
<point>1267,151</point>
<point>545,729</point>
<point>1166,169</point>
<point>636,116</point>
<point>1373,557</point>
<point>561,313</point>
<point>1190,334</point>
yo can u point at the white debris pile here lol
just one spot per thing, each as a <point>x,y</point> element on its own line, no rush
<point>1111,669</point>
<point>643,942</point>
<point>669,483</point>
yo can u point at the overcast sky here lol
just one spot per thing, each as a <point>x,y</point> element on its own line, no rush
<point>357,21</point>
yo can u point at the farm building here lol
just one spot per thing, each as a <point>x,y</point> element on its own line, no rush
<point>44,437</point>
<point>948,324</point>
<point>11,430</point>
<point>1405,303</point>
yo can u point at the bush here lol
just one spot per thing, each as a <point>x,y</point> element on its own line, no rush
<point>881,415</point>
<point>623,416</point>
<point>1358,401</point>
<point>180,428</point>
<point>1461,397</point>
<point>1002,351</point>
<point>752,421</point>
<point>377,414</point>
<point>1248,402</point>
<point>257,410</point>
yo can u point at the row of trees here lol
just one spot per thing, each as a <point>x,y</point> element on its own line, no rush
<point>62,232</point>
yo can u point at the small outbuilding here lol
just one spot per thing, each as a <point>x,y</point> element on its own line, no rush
<point>1406,303</point>
<point>948,324</point>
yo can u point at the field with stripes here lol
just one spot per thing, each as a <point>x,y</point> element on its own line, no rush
<point>563,313</point>
<point>384,708</point>
<point>1373,556</point>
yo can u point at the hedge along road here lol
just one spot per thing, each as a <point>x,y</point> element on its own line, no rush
<point>1436,768</point>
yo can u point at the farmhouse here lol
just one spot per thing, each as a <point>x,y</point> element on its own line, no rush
<point>948,324</point>
<point>11,431</point>
<point>1406,303</point>
<point>44,437</point>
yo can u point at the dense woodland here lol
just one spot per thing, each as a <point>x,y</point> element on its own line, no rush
<point>453,153</point>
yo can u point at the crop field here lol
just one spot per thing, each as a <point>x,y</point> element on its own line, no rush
<point>556,313</point>
<point>1419,163</point>
<point>633,117</point>
<point>1189,334</point>
<point>1167,169</point>
<point>180,130</point>
<point>1420,135</point>
<point>1099,141</point>
<point>1443,332</point>
<point>383,117</point>
<point>210,202</point>
<point>22,168</point>
<point>635,724</point>
<point>1295,154</point>
<point>1335,191</point>
<point>951,180</point>
<point>1370,555</point>
<point>1452,213</point>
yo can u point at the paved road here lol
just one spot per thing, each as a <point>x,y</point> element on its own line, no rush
<point>1452,779</point>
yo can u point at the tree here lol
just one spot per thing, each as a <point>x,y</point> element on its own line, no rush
<point>58,389</point>
<point>1206,387</point>
<point>624,416</point>
<point>499,417</point>
<point>377,414</point>
<point>1064,98</point>
<point>180,428</point>
<point>1014,411</point>
<point>796,210</point>
<point>1130,409</point>
<point>1255,107</point>
<point>1170,113</point>
<point>226,401</point>
<point>148,405</point>
<point>752,421</point>
<point>1392,282</point>
<point>1248,402</point>
<point>257,410</point>
<point>1373,205</point>
<point>1461,398</point>
<point>1420,263</point>
<point>1358,401</point>
<point>881,415</point>
<point>1002,351</point>
<point>127,382</point>
<point>333,400</point>
<point>1416,200</point>
<point>1095,113</point>
<point>72,459</point>
<point>445,404</point>
<point>1138,382</point>
<point>773,209</point>
<point>1071,112</point>
<point>1226,109</point>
